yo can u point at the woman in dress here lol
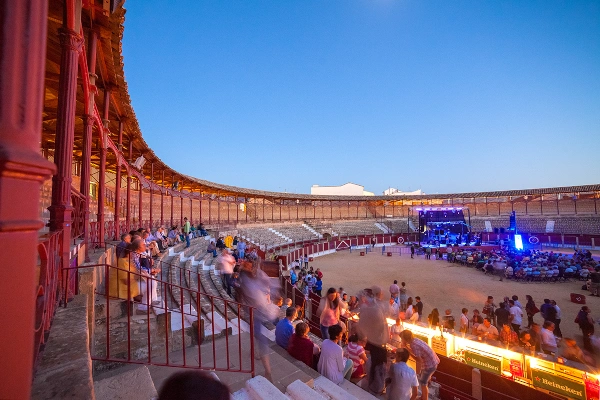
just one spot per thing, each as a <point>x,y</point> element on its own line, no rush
<point>409,308</point>
<point>434,318</point>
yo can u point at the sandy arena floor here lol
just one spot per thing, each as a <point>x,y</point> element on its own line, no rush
<point>442,285</point>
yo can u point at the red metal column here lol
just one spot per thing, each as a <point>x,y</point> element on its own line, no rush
<point>218,208</point>
<point>22,171</point>
<point>84,187</point>
<point>200,201</point>
<point>180,209</point>
<point>246,207</point>
<point>118,187</point>
<point>128,193</point>
<point>172,195</point>
<point>102,173</point>
<point>151,194</point>
<point>88,127</point>
<point>237,211</point>
<point>140,202</point>
<point>162,200</point>
<point>101,193</point>
<point>191,216</point>
<point>209,209</point>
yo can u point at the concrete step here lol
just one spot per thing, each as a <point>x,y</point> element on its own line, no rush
<point>299,390</point>
<point>259,388</point>
<point>134,384</point>
<point>331,390</point>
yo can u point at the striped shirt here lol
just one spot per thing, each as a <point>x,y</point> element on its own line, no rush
<point>354,352</point>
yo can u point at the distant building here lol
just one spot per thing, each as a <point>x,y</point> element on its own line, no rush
<point>347,189</point>
<point>396,192</point>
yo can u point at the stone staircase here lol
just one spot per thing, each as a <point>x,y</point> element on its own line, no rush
<point>321,388</point>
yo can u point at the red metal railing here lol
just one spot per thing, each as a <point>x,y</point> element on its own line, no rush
<point>48,292</point>
<point>168,331</point>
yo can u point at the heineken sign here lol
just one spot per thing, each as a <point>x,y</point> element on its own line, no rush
<point>556,384</point>
<point>482,362</point>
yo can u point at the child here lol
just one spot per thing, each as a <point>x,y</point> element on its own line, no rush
<point>464,321</point>
<point>318,286</point>
<point>356,353</point>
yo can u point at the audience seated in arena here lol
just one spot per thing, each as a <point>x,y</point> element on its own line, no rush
<point>301,347</point>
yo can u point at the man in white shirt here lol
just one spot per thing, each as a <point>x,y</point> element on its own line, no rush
<point>549,344</point>
<point>226,262</point>
<point>402,382</point>
<point>332,364</point>
<point>487,330</point>
<point>516,316</point>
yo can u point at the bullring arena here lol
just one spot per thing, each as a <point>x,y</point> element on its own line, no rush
<point>121,251</point>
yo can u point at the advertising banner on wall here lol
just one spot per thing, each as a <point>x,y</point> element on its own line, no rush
<point>565,387</point>
<point>489,364</point>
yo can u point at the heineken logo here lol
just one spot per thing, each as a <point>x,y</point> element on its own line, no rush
<point>480,361</point>
<point>554,383</point>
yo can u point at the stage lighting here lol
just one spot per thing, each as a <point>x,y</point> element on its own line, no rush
<point>518,242</point>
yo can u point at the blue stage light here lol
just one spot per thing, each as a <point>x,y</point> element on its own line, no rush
<point>518,242</point>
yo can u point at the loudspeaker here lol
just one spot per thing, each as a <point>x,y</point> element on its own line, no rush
<point>495,230</point>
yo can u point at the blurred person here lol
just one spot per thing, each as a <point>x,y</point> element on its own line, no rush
<point>502,314</point>
<point>241,248</point>
<point>448,320</point>
<point>525,341</point>
<point>121,249</point>
<point>395,331</point>
<point>256,288</point>
<point>394,290</point>
<point>516,316</point>
<point>419,306</point>
<point>557,319</point>
<point>225,263</point>
<point>329,312</point>
<point>573,352</point>
<point>476,320</point>
<point>464,321</point>
<point>403,296</point>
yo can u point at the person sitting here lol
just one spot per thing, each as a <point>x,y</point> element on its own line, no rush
<point>284,328</point>
<point>487,330</point>
<point>508,336</point>
<point>402,382</point>
<point>212,248</point>
<point>525,341</point>
<point>356,353</point>
<point>301,347</point>
<point>332,364</point>
<point>121,250</point>
<point>173,236</point>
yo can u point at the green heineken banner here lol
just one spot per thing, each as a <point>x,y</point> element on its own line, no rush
<point>482,362</point>
<point>556,384</point>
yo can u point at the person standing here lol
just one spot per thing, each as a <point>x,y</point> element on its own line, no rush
<point>394,290</point>
<point>595,282</point>
<point>403,296</point>
<point>557,319</point>
<point>464,321</point>
<point>425,357</point>
<point>502,314</point>
<point>402,382</point>
<point>419,307</point>
<point>489,307</point>
<point>516,316</point>
<point>586,324</point>
<point>412,251</point>
<point>186,232</point>
<point>329,312</point>
<point>531,309</point>
<point>428,252</point>
<point>241,248</point>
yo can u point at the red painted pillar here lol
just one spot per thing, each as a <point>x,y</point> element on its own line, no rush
<point>118,187</point>
<point>140,200</point>
<point>128,193</point>
<point>84,187</point>
<point>209,210</point>
<point>151,194</point>
<point>180,209</point>
<point>200,209</point>
<point>172,195</point>
<point>162,200</point>
<point>101,194</point>
<point>191,216</point>
<point>22,171</point>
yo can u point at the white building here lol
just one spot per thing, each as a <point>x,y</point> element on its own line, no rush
<point>396,192</point>
<point>347,189</point>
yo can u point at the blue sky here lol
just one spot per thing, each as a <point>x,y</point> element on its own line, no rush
<point>447,96</point>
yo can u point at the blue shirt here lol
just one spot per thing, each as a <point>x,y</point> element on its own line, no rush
<point>293,277</point>
<point>283,332</point>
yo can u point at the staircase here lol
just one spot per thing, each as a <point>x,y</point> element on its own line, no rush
<point>311,230</point>
<point>280,235</point>
<point>383,227</point>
